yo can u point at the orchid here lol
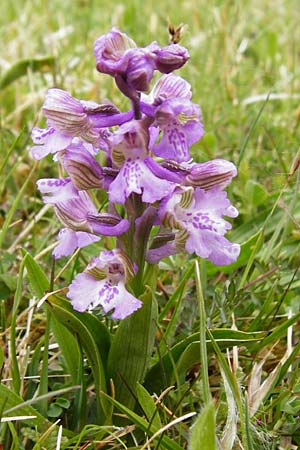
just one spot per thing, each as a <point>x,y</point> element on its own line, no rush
<point>139,162</point>
<point>103,283</point>
<point>196,217</point>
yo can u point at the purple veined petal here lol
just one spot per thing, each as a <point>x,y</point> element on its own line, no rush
<point>115,296</point>
<point>107,225</point>
<point>74,213</point>
<point>83,169</point>
<point>200,214</point>
<point>163,172</point>
<point>103,283</point>
<point>174,143</point>
<point>86,292</point>
<point>83,292</point>
<point>140,69</point>
<point>214,200</point>
<point>111,52</point>
<point>180,121</point>
<point>210,174</point>
<point>59,189</point>
<point>48,141</point>
<point>170,86</point>
<point>135,176</point>
<point>66,114</point>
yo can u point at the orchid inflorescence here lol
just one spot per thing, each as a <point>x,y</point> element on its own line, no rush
<point>160,202</point>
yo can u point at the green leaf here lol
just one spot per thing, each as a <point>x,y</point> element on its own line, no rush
<point>63,402</point>
<point>21,67</point>
<point>10,281</point>
<point>92,334</point>
<point>186,353</point>
<point>67,343</point>
<point>131,349</point>
<point>94,338</point>
<point>69,347</point>
<point>37,278</point>
<point>9,400</point>
<point>203,434</point>
<point>54,410</point>
<point>148,405</point>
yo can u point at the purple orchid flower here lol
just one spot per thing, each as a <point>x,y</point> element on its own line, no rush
<point>180,122</point>
<point>175,115</point>
<point>103,283</point>
<point>130,153</point>
<point>117,55</point>
<point>196,217</point>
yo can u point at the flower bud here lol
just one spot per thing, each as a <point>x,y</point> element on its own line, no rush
<point>140,69</point>
<point>110,51</point>
<point>171,57</point>
<point>210,174</point>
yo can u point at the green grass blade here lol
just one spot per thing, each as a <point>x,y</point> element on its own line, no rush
<point>165,441</point>
<point>202,335</point>
<point>16,381</point>
<point>148,405</point>
<point>251,129</point>
<point>15,205</point>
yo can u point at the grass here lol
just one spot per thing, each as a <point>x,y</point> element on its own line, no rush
<point>244,71</point>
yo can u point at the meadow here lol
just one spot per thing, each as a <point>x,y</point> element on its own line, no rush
<point>224,370</point>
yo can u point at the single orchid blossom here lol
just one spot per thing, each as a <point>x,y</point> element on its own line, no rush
<point>196,216</point>
<point>103,284</point>
<point>130,153</point>
<point>181,125</point>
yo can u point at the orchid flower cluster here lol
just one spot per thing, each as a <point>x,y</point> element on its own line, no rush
<point>159,201</point>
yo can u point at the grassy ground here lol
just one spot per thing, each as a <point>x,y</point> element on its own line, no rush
<point>244,70</point>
